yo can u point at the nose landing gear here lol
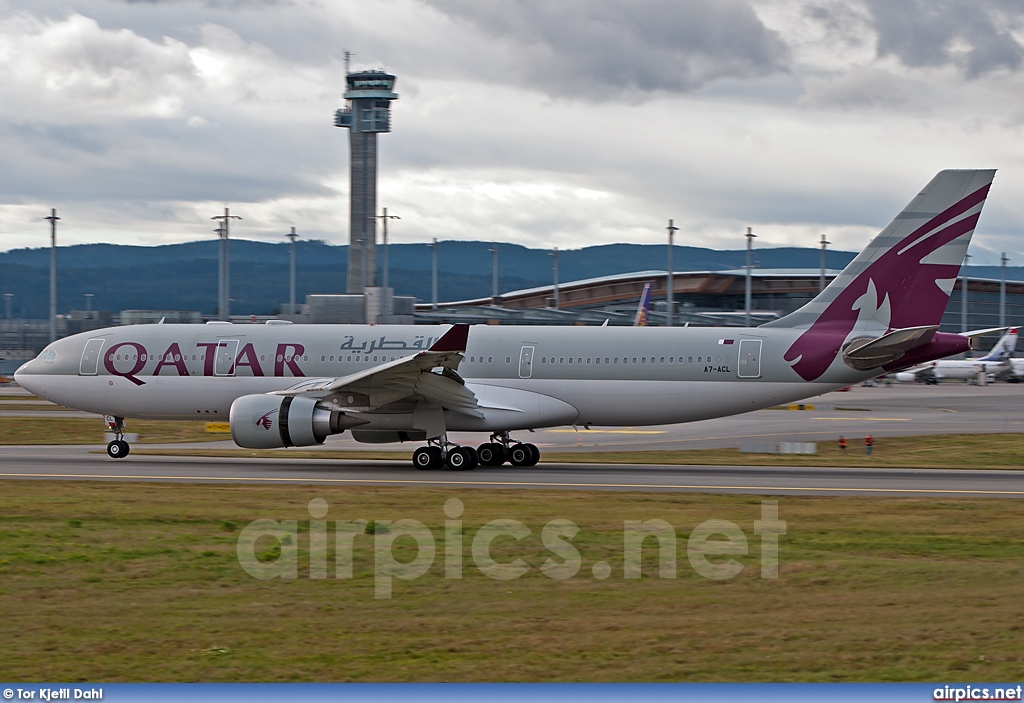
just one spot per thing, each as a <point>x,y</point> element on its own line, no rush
<point>117,448</point>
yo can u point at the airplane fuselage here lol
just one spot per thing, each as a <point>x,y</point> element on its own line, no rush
<point>524,377</point>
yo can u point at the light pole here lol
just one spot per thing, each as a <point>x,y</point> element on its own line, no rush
<point>494,276</point>
<point>1002,289</point>
<point>669,296</point>
<point>746,294</point>
<point>821,276</point>
<point>433,274</point>
<point>387,302</point>
<point>53,273</point>
<point>224,231</point>
<point>7,304</point>
<point>88,302</point>
<point>554,268</point>
<point>291,279</point>
<point>963,294</point>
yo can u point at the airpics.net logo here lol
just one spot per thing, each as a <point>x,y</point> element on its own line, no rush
<point>710,548</point>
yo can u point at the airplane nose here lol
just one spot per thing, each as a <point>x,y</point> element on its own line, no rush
<point>22,373</point>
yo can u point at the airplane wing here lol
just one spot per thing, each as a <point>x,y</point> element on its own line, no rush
<point>430,375</point>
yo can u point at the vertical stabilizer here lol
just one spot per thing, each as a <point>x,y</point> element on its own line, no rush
<point>640,320</point>
<point>902,279</point>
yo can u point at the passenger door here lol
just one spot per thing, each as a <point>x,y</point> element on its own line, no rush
<point>749,365</point>
<point>91,357</point>
<point>526,362</point>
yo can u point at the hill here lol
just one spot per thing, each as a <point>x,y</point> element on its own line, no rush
<point>184,276</point>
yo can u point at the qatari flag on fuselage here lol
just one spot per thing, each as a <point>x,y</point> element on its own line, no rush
<point>725,341</point>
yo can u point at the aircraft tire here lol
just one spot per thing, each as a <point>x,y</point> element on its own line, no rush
<point>118,449</point>
<point>535,454</point>
<point>427,458</point>
<point>520,455</point>
<point>491,454</point>
<point>460,459</point>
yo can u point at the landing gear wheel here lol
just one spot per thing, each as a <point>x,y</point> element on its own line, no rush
<point>118,449</point>
<point>520,455</point>
<point>491,454</point>
<point>427,458</point>
<point>461,458</point>
<point>535,452</point>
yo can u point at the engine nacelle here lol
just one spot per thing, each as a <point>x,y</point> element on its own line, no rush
<point>270,421</point>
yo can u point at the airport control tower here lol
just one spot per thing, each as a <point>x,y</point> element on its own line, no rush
<point>369,95</point>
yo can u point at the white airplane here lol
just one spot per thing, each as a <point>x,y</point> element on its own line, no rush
<point>284,385</point>
<point>1016,372</point>
<point>998,362</point>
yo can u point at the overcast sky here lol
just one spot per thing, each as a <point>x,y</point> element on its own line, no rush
<point>539,122</point>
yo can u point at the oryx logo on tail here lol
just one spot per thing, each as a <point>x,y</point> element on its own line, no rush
<point>902,280</point>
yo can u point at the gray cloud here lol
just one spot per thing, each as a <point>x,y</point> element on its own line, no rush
<point>975,36</point>
<point>604,49</point>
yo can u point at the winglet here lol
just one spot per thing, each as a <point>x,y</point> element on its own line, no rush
<point>454,340</point>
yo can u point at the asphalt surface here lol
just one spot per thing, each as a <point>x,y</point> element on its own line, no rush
<point>880,411</point>
<point>43,463</point>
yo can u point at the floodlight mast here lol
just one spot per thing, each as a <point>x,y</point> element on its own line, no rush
<point>291,278</point>
<point>53,273</point>
<point>224,231</point>
<point>554,271</point>
<point>963,294</point>
<point>384,220</point>
<point>821,276</point>
<point>494,275</point>
<point>670,283</point>
<point>746,293</point>
<point>433,274</point>
<point>1002,288</point>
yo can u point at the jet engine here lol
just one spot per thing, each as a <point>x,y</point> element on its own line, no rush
<point>270,421</point>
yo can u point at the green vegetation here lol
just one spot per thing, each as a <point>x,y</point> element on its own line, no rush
<point>981,451</point>
<point>140,582</point>
<point>80,430</point>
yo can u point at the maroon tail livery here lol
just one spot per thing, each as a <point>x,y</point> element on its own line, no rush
<point>901,280</point>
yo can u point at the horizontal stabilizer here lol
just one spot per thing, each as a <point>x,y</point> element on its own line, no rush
<point>866,354</point>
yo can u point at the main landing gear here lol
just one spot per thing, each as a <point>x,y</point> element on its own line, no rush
<point>440,453</point>
<point>503,448</point>
<point>117,448</point>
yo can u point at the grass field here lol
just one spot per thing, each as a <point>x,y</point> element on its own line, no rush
<point>140,582</point>
<point>81,430</point>
<point>987,451</point>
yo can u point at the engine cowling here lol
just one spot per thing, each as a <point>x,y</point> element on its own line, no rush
<point>270,421</point>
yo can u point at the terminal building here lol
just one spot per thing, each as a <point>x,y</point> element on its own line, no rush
<point>704,298</point>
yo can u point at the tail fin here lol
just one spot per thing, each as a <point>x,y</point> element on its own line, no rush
<point>902,279</point>
<point>1003,349</point>
<point>641,310</point>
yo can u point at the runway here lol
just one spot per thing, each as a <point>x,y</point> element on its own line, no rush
<point>881,411</point>
<point>79,464</point>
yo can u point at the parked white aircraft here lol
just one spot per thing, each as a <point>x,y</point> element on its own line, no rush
<point>1016,372</point>
<point>998,362</point>
<point>286,385</point>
